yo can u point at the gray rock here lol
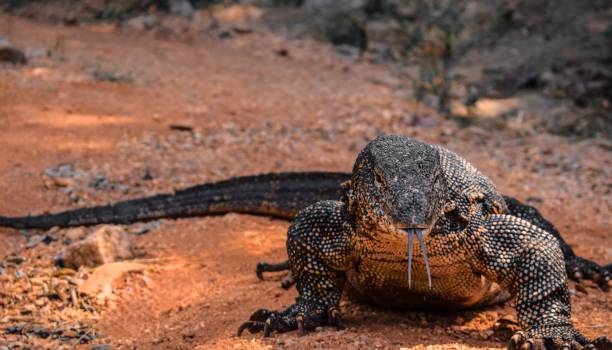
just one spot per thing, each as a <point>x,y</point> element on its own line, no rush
<point>345,30</point>
<point>335,5</point>
<point>35,240</point>
<point>142,22</point>
<point>11,54</point>
<point>347,50</point>
<point>38,52</point>
<point>180,8</point>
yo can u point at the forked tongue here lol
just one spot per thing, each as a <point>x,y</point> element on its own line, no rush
<point>411,232</point>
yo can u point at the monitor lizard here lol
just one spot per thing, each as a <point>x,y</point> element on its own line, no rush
<point>473,246</point>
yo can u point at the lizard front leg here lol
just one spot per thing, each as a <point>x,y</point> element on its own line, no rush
<point>529,262</point>
<point>319,254</point>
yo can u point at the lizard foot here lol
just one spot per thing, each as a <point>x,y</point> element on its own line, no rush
<point>534,340</point>
<point>262,267</point>
<point>583,269</point>
<point>295,317</point>
<point>267,267</point>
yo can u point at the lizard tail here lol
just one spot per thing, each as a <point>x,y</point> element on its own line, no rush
<point>279,195</point>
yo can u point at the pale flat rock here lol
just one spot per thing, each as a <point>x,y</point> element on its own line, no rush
<point>106,244</point>
<point>100,282</point>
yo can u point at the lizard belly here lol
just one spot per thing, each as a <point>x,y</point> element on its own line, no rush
<point>381,277</point>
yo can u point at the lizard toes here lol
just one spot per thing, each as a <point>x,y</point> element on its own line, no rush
<point>261,315</point>
<point>267,267</point>
<point>335,318</point>
<point>251,326</point>
<point>529,344</point>
<point>255,327</point>
<point>578,343</point>
<point>602,280</point>
<point>516,341</point>
<point>265,321</point>
<point>288,281</point>
<point>521,341</point>
<point>602,343</point>
<point>579,268</point>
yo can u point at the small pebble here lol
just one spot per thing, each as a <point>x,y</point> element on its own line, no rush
<point>101,347</point>
<point>12,55</point>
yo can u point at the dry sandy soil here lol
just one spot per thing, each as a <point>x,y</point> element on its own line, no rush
<point>103,100</point>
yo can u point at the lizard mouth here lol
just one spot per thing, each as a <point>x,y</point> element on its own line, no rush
<point>418,232</point>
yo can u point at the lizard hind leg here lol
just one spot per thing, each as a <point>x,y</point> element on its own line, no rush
<point>263,266</point>
<point>287,281</point>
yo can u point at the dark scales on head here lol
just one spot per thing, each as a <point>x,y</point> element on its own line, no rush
<point>397,190</point>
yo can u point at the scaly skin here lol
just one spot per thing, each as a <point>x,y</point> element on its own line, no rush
<point>476,252</point>
<point>279,195</point>
<point>482,246</point>
<point>577,267</point>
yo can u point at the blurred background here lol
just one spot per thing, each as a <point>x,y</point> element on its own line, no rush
<point>534,64</point>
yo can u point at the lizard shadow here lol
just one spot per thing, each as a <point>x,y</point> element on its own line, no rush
<point>485,326</point>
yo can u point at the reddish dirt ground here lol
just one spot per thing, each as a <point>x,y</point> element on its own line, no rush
<point>253,111</point>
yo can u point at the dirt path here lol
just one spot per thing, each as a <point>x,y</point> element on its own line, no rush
<point>252,110</point>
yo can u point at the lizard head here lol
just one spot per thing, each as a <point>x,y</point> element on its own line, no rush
<point>397,189</point>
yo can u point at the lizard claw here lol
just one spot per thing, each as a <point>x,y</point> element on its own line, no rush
<point>267,267</point>
<point>251,326</point>
<point>516,340</point>
<point>335,318</point>
<point>288,281</point>
<point>300,324</point>
<point>262,267</point>
<point>529,344</point>
<point>264,321</point>
<point>255,327</point>
<point>300,316</point>
<point>261,315</point>
<point>583,269</point>
<point>266,329</point>
<point>523,341</point>
<point>602,343</point>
